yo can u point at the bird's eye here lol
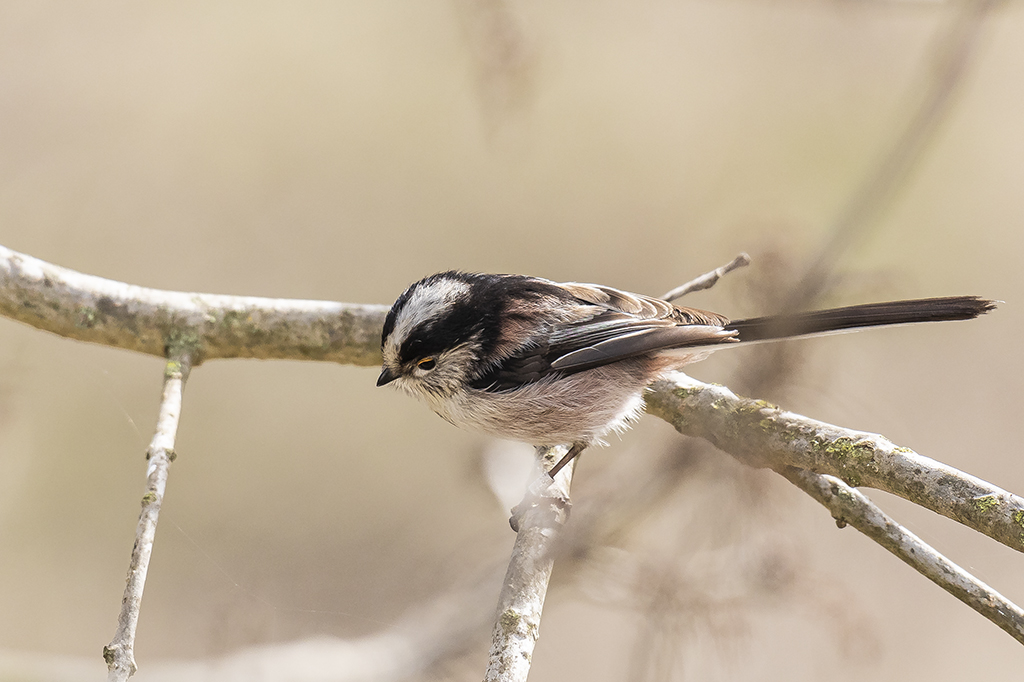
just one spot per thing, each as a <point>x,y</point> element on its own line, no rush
<point>427,364</point>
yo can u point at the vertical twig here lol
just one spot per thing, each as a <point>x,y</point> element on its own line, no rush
<point>540,517</point>
<point>120,654</point>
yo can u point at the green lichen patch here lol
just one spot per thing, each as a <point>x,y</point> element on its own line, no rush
<point>87,317</point>
<point>236,319</point>
<point>510,620</point>
<point>178,342</point>
<point>851,455</point>
<point>985,502</point>
<point>846,449</point>
<point>684,392</point>
<point>1018,518</point>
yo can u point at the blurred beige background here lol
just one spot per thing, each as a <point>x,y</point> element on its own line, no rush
<point>343,150</point>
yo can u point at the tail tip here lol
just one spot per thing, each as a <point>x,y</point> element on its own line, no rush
<point>983,305</point>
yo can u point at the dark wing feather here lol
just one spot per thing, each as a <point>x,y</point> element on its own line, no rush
<point>615,325</point>
<point>632,344</point>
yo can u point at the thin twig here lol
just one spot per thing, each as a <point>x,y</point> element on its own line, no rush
<point>517,625</point>
<point>850,506</point>
<point>760,434</point>
<point>120,653</point>
<point>708,279</point>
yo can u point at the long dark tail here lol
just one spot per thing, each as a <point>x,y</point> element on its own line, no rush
<point>858,316</point>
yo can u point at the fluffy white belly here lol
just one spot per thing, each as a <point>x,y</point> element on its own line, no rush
<point>576,408</point>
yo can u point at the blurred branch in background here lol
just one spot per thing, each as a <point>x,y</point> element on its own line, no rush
<point>428,635</point>
<point>772,366</point>
<point>502,56</point>
<point>945,72</point>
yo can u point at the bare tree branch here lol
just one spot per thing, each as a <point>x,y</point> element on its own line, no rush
<point>503,55</point>
<point>89,308</point>
<point>945,75</point>
<point>120,653</point>
<point>761,434</point>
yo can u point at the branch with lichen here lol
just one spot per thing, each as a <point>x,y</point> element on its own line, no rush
<point>827,462</point>
<point>761,434</point>
<point>88,308</point>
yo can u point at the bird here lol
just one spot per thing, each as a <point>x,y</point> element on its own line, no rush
<point>546,363</point>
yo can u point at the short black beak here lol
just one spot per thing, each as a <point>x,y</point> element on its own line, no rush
<point>386,377</point>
